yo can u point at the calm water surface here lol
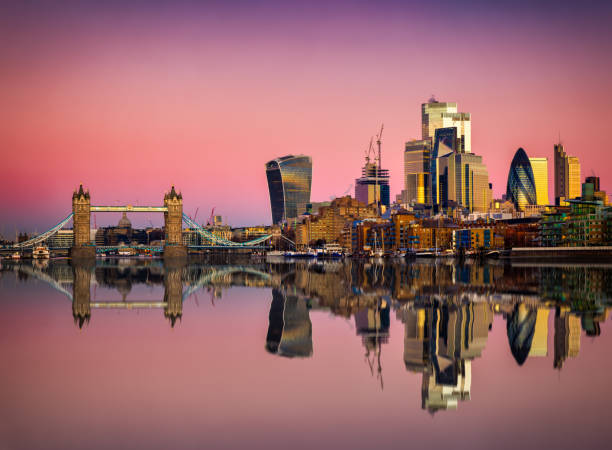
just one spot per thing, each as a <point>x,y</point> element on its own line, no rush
<point>135,354</point>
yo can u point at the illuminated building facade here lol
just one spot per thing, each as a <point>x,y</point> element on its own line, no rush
<point>521,188</point>
<point>539,166</point>
<point>289,183</point>
<point>567,176</point>
<point>463,179</point>
<point>417,172</point>
<point>436,115</point>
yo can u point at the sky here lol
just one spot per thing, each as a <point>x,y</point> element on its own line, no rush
<point>129,98</point>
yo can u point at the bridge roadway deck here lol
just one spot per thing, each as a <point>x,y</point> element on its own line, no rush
<point>128,208</point>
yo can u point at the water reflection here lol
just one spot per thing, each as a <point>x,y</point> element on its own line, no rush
<point>447,309</point>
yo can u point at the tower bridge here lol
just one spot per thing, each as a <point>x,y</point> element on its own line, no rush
<point>174,218</point>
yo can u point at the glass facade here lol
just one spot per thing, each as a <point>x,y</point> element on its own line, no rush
<point>464,180</point>
<point>445,143</point>
<point>436,115</point>
<point>289,182</point>
<point>417,171</point>
<point>521,188</point>
<point>539,166</point>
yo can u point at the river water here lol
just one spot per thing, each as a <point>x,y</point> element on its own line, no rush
<point>236,354</point>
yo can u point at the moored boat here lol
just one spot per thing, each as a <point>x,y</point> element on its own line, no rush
<point>41,252</point>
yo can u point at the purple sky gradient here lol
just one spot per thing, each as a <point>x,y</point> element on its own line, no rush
<point>129,99</point>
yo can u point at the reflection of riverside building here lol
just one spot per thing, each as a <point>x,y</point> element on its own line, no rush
<point>289,181</point>
<point>440,341</point>
<point>290,329</point>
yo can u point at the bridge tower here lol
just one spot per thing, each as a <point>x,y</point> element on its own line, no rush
<point>81,210</point>
<point>173,222</point>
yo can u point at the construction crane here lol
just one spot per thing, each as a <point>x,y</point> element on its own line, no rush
<point>212,216</point>
<point>378,143</point>
<point>196,214</point>
<point>345,193</point>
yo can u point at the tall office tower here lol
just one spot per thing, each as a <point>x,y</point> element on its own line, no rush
<point>464,180</point>
<point>521,188</point>
<point>567,175</point>
<point>373,184</point>
<point>573,175</point>
<point>436,115</point>
<point>445,143</point>
<point>289,182</point>
<point>417,171</point>
<point>539,166</point>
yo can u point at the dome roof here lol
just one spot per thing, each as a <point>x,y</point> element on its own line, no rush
<point>124,222</point>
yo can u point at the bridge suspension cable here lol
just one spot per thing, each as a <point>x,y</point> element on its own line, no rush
<point>44,236</point>
<point>219,240</point>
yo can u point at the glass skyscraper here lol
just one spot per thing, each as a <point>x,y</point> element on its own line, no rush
<point>463,179</point>
<point>540,176</point>
<point>417,172</point>
<point>289,182</point>
<point>445,143</point>
<point>435,114</point>
<point>521,188</point>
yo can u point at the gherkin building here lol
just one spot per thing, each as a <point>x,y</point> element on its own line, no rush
<point>521,188</point>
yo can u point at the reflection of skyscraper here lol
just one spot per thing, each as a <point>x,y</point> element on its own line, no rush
<point>289,182</point>
<point>540,176</point>
<point>417,171</point>
<point>567,336</point>
<point>521,188</point>
<point>440,341</point>
<point>372,325</point>
<point>436,115</point>
<point>539,344</point>
<point>567,175</point>
<point>521,328</point>
<point>290,329</point>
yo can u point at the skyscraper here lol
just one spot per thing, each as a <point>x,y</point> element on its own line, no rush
<point>521,188</point>
<point>464,180</point>
<point>567,175</point>
<point>436,115</point>
<point>289,182</point>
<point>417,167</point>
<point>373,184</point>
<point>539,166</point>
<point>445,143</point>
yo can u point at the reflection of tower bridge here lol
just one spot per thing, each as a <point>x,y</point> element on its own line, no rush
<point>78,288</point>
<point>174,218</point>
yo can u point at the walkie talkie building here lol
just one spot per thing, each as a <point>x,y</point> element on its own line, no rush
<point>289,182</point>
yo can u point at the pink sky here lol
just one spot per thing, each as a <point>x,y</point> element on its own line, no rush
<point>131,100</point>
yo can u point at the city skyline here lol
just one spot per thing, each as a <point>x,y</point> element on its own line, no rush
<point>166,96</point>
